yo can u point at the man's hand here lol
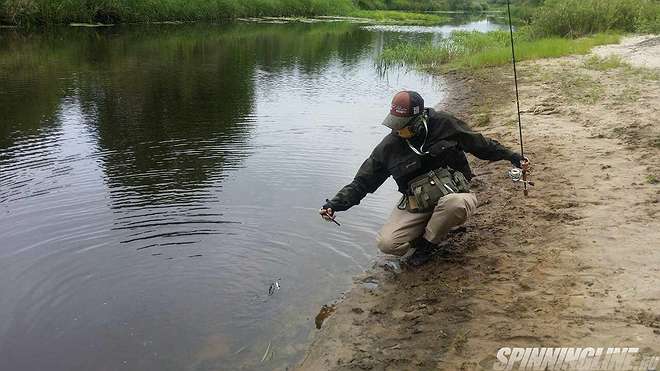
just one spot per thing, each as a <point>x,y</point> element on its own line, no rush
<point>327,214</point>
<point>519,161</point>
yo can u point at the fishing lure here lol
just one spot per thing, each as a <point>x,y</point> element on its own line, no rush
<point>274,287</point>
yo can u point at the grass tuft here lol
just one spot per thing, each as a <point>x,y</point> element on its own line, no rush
<point>471,50</point>
<point>604,63</point>
<point>612,62</point>
<point>579,87</point>
<point>399,17</point>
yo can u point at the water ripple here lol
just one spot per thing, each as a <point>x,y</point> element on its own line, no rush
<point>156,184</point>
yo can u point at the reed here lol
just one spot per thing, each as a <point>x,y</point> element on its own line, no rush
<point>36,12</point>
<point>39,12</point>
<point>471,50</point>
<point>576,18</point>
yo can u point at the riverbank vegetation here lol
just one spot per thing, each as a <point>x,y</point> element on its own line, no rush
<point>469,50</point>
<point>400,17</point>
<point>41,12</point>
<point>556,28</point>
<point>576,18</point>
<point>35,12</point>
<point>424,5</point>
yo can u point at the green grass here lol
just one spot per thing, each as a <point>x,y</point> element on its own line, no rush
<point>482,119</point>
<point>579,87</point>
<point>604,63</point>
<point>30,12</point>
<point>629,94</point>
<point>38,12</point>
<point>612,62</point>
<point>576,18</point>
<point>471,50</point>
<point>423,5</point>
<point>535,49</point>
<point>398,17</point>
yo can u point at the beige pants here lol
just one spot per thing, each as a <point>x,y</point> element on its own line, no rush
<point>402,227</point>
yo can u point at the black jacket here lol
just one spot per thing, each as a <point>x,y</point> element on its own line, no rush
<point>448,140</point>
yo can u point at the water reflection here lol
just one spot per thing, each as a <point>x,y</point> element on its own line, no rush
<point>481,25</point>
<point>155,180</point>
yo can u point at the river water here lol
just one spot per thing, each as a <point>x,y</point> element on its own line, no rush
<point>155,180</point>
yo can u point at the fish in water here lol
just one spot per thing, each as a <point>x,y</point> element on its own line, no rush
<point>275,286</point>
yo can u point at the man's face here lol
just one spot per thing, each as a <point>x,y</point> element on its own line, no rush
<point>405,133</point>
<point>408,131</point>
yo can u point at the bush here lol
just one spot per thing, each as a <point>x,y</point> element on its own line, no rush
<point>371,4</point>
<point>575,18</point>
<point>28,12</point>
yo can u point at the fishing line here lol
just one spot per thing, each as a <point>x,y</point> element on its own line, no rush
<point>515,79</point>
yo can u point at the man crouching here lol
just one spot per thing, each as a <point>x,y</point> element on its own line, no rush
<point>425,154</point>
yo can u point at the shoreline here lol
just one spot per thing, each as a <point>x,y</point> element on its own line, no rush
<point>357,15</point>
<point>463,101</point>
<point>547,270</point>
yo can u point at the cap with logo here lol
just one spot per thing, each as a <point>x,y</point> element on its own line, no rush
<point>406,105</point>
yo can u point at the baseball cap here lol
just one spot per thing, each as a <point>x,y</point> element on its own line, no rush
<point>406,105</point>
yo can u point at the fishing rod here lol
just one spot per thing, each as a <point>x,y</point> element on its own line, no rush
<point>524,164</point>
